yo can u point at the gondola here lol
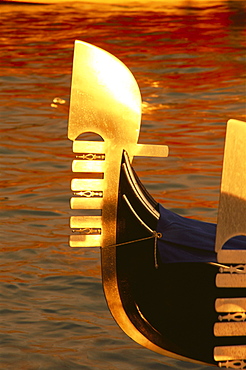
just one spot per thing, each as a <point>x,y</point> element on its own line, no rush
<point>167,280</point>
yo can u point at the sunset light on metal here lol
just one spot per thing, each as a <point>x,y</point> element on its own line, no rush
<point>105,100</point>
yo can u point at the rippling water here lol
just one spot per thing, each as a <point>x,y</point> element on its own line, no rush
<point>189,62</point>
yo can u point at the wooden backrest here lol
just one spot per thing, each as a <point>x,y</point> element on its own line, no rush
<point>232,204</point>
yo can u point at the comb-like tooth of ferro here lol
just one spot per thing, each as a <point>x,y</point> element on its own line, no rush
<point>88,147</point>
<point>231,280</point>
<point>89,194</point>
<point>86,203</point>
<point>78,222</point>
<point>85,240</point>
<point>88,166</point>
<point>229,329</point>
<point>231,256</point>
<point>87,185</point>
<point>86,225</point>
<point>230,353</point>
<point>230,305</point>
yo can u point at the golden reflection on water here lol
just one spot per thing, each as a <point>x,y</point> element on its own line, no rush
<point>188,62</point>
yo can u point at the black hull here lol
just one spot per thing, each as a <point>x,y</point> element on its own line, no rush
<point>172,305</point>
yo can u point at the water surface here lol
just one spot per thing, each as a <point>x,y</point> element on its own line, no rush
<point>189,63</point>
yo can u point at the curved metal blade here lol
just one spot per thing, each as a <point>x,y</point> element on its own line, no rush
<point>105,100</point>
<point>105,97</point>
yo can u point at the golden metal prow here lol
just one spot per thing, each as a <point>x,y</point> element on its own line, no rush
<point>105,100</point>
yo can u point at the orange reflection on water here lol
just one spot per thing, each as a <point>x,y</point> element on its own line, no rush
<point>188,62</point>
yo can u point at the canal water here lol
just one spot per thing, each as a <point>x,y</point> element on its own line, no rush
<point>188,59</point>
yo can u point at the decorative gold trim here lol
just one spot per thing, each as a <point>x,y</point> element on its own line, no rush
<point>236,316</point>
<point>234,364</point>
<point>238,269</point>
<point>135,187</point>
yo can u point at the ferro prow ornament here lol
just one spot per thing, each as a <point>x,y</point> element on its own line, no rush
<point>232,222</point>
<point>158,268</point>
<point>105,100</point>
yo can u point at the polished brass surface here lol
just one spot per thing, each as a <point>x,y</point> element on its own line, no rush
<point>230,305</point>
<point>88,146</point>
<point>105,100</point>
<point>229,329</point>
<point>231,256</point>
<point>87,184</point>
<point>230,353</point>
<point>231,280</point>
<point>88,166</point>
<point>85,221</point>
<point>86,203</point>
